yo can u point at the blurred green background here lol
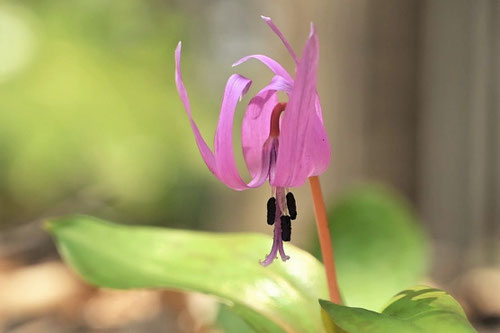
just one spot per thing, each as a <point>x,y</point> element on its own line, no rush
<point>90,122</point>
<point>89,113</point>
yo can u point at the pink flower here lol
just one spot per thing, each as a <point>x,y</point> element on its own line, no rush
<point>283,147</point>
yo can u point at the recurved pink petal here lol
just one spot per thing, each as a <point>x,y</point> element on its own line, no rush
<point>222,163</point>
<point>227,171</point>
<point>205,151</point>
<point>236,87</point>
<point>255,128</point>
<point>280,35</point>
<point>278,83</point>
<point>304,149</point>
<point>269,62</point>
<point>256,122</point>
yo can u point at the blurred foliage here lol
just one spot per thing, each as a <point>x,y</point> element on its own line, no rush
<point>89,116</point>
<point>380,248</point>
<point>228,321</point>
<point>270,299</point>
<point>415,310</point>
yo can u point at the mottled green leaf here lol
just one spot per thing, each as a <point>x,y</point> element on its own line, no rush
<point>416,310</point>
<point>279,298</point>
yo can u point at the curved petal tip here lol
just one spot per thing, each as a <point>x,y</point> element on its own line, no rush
<point>246,88</point>
<point>313,30</point>
<point>280,35</point>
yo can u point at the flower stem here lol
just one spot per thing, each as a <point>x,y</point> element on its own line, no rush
<point>325,240</point>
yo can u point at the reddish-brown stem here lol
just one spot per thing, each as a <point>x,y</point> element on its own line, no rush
<point>325,240</point>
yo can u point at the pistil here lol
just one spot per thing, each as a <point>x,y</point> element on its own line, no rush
<point>275,120</point>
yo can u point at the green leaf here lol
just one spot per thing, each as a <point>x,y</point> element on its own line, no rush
<point>380,248</point>
<point>415,310</point>
<point>228,321</point>
<point>279,298</point>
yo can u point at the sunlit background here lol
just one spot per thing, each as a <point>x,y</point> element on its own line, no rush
<point>90,122</point>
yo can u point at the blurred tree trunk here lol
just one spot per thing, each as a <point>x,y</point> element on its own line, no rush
<point>411,92</point>
<point>370,56</point>
<point>459,135</point>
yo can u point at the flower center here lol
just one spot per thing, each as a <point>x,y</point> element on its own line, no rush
<point>275,119</point>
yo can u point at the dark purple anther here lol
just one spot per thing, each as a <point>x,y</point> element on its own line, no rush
<point>286,228</point>
<point>291,204</point>
<point>271,210</point>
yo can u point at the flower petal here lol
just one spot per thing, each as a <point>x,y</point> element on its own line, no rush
<point>280,84</point>
<point>280,35</point>
<point>224,152</point>
<point>255,128</point>
<point>319,110</point>
<point>256,122</point>
<point>223,143</point>
<point>269,62</point>
<point>304,148</point>
<point>205,151</point>
<point>222,163</point>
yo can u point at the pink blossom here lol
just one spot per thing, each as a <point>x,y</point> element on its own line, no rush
<point>283,143</point>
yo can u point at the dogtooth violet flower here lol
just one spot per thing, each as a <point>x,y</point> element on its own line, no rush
<point>283,143</point>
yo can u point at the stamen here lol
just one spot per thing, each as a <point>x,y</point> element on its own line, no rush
<point>278,234</point>
<point>275,119</point>
<point>291,205</point>
<point>286,228</point>
<point>271,210</point>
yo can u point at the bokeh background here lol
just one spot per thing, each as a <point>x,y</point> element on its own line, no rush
<point>90,122</point>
